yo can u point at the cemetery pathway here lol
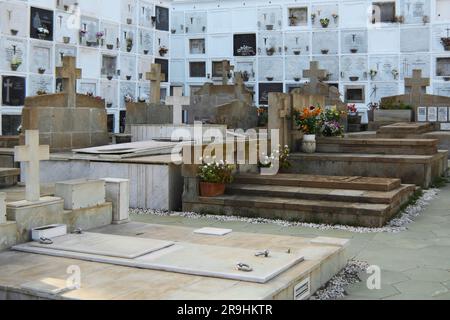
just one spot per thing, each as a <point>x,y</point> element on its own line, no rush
<point>415,264</point>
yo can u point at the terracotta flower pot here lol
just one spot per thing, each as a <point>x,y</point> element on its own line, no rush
<point>211,189</point>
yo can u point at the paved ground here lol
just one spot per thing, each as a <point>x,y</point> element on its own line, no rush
<point>415,264</point>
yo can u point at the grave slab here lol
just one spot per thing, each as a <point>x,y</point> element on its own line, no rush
<point>213,231</point>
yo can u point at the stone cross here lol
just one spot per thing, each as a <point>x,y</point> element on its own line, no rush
<point>2,208</point>
<point>314,74</point>
<point>226,68</point>
<point>8,84</point>
<point>69,74</point>
<point>285,115</point>
<point>155,77</point>
<point>238,80</point>
<point>178,101</point>
<point>31,153</point>
<point>416,83</point>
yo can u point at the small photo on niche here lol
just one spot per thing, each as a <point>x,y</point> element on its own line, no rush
<point>197,46</point>
<point>197,69</point>
<point>41,24</point>
<point>244,45</point>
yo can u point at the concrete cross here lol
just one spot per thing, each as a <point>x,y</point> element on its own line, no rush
<point>8,85</point>
<point>417,83</point>
<point>178,101</point>
<point>69,74</point>
<point>314,74</point>
<point>31,153</point>
<point>155,77</point>
<point>226,68</point>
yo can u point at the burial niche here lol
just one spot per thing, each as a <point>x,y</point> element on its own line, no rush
<point>244,45</point>
<point>41,24</point>
<point>383,11</point>
<point>197,69</point>
<point>355,94</point>
<point>13,91</point>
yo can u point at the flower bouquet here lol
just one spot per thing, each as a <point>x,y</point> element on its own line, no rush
<point>308,121</point>
<point>214,175</point>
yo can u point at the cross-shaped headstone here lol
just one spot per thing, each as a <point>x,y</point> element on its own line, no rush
<point>31,154</point>
<point>226,68</point>
<point>314,74</point>
<point>416,83</point>
<point>155,77</point>
<point>8,85</point>
<point>285,115</point>
<point>69,74</point>
<point>178,101</point>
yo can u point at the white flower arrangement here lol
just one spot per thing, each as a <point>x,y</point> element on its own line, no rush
<point>43,30</point>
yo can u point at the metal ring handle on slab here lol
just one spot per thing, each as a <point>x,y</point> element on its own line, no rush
<point>78,231</point>
<point>244,267</point>
<point>44,240</point>
<point>265,254</point>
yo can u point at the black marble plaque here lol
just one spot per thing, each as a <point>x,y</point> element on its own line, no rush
<point>41,24</point>
<point>197,69</point>
<point>266,88</point>
<point>11,124</point>
<point>244,45</point>
<point>162,18</point>
<point>164,68</point>
<point>13,91</point>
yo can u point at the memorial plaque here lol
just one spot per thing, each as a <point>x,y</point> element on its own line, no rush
<point>91,27</point>
<point>145,42</point>
<point>109,66</point>
<point>41,58</point>
<point>197,69</point>
<point>442,89</point>
<point>442,114</point>
<point>109,93</point>
<point>177,22</point>
<point>294,67</point>
<point>323,11</point>
<point>66,4</point>
<point>13,50</point>
<point>217,69</point>
<point>415,40</point>
<point>432,114</point>
<point>41,24</point>
<point>355,94</point>
<point>244,45</point>
<point>445,126</point>
<point>443,67</point>
<point>266,88</point>
<point>128,67</point>
<point>408,63</point>
<point>383,89</point>
<point>383,67</point>
<point>247,69</point>
<point>13,91</point>
<point>127,89</point>
<point>298,16</point>
<point>162,18</point>
<point>270,43</point>
<point>111,34</point>
<point>62,51</point>
<point>145,10</point>
<point>414,10</point>
<point>197,46</point>
<point>162,41</point>
<point>128,12</point>
<point>325,42</point>
<point>12,18</point>
<point>64,30</point>
<point>87,87</point>
<point>422,114</point>
<point>297,43</point>
<point>195,22</point>
<point>143,91</point>
<point>354,41</point>
<point>354,68</point>
<point>164,68</point>
<point>439,31</point>
<point>40,84</point>
<point>270,69</point>
<point>270,19</point>
<point>128,39</point>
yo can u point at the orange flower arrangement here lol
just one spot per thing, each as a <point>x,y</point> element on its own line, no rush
<point>307,119</point>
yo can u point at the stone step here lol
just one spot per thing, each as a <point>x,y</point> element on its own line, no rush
<point>312,211</point>
<point>378,146</point>
<point>321,181</point>
<point>406,128</point>
<point>320,194</point>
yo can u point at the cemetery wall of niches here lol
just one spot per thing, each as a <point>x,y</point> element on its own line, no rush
<point>114,41</point>
<point>368,47</point>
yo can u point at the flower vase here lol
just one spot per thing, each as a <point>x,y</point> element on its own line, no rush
<point>211,189</point>
<point>309,143</point>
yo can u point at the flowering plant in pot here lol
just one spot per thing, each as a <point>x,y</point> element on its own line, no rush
<point>353,117</point>
<point>15,63</point>
<point>445,41</point>
<point>42,32</point>
<point>330,125</point>
<point>307,120</point>
<point>99,35</point>
<point>214,175</point>
<point>129,42</point>
<point>280,155</point>
<point>325,22</point>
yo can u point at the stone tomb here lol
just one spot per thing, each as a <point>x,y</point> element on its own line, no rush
<point>67,120</point>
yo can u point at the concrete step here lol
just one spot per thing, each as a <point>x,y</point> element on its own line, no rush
<point>323,194</point>
<point>321,181</point>
<point>406,128</point>
<point>378,146</point>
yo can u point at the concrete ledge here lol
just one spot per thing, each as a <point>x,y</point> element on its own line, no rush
<point>88,218</point>
<point>8,237</point>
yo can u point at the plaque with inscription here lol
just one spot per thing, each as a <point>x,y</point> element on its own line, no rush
<point>330,64</point>
<point>40,84</point>
<point>66,4</point>
<point>271,69</point>
<point>128,67</point>
<point>415,39</point>
<point>128,39</point>
<point>408,63</point>
<point>91,27</point>
<point>109,66</point>
<point>354,41</point>
<point>145,14</point>
<point>197,46</point>
<point>41,24</point>
<point>442,89</point>
<point>127,89</point>
<point>383,89</point>
<point>13,50</point>
<point>325,42</point>
<point>88,87</point>
<point>414,10</point>
<point>442,114</point>
<point>195,22</point>
<point>297,43</point>
<point>162,18</point>
<point>270,19</point>
<point>354,68</point>
<point>61,51</point>
<point>13,91</point>
<point>247,70</point>
<point>244,45</point>
<point>382,67</point>
<point>432,114</point>
<point>145,42</point>
<point>12,18</point>
<point>443,67</point>
<point>270,43</point>
<point>109,93</point>
<point>422,114</point>
<point>266,88</point>
<point>298,16</point>
<point>111,33</point>
<point>41,61</point>
<point>177,23</point>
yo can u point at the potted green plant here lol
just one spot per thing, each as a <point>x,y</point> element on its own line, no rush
<point>445,41</point>
<point>15,63</point>
<point>163,51</point>
<point>129,42</point>
<point>270,51</point>
<point>41,70</point>
<point>330,125</point>
<point>325,22</point>
<point>280,155</point>
<point>307,120</point>
<point>373,73</point>
<point>213,178</point>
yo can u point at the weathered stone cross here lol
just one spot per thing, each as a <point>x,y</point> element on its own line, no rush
<point>155,77</point>
<point>226,68</point>
<point>31,153</point>
<point>8,84</point>
<point>69,73</point>
<point>178,101</point>
<point>417,83</point>
<point>314,74</point>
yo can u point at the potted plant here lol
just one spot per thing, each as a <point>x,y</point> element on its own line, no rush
<point>41,92</point>
<point>128,78</point>
<point>99,35</point>
<point>66,40</point>
<point>395,74</point>
<point>296,79</point>
<point>109,46</point>
<point>280,156</point>
<point>82,35</point>
<point>269,78</point>
<point>128,98</point>
<point>371,110</point>
<point>41,70</point>
<point>163,51</point>
<point>270,51</point>
<point>307,120</point>
<point>353,50</point>
<point>330,124</point>
<point>313,18</point>
<point>400,19</point>
<point>129,21</point>
<point>324,51</point>
<point>353,116</point>
<point>269,27</point>
<point>325,22</point>
<point>335,17</point>
<point>129,42</point>
<point>109,104</point>
<point>373,73</point>
<point>145,51</point>
<point>42,32</point>
<point>14,32</point>
<point>173,31</point>
<point>354,78</point>
<point>213,178</point>
<point>15,63</point>
<point>297,52</point>
<point>445,41</point>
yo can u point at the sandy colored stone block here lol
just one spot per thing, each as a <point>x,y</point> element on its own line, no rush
<point>79,194</point>
<point>118,193</point>
<point>8,236</point>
